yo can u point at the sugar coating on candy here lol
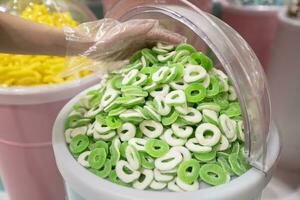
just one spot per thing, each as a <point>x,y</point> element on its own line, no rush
<point>168,119</point>
<point>32,70</point>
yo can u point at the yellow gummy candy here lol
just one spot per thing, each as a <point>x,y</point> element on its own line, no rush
<point>30,70</point>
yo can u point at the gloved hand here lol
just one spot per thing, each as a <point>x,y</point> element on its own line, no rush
<point>108,40</point>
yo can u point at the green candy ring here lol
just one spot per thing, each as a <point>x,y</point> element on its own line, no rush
<point>104,171</point>
<point>236,164</point>
<point>188,171</point>
<point>206,156</point>
<point>156,148</point>
<point>195,92</point>
<point>79,143</point>
<point>213,174</point>
<point>97,158</point>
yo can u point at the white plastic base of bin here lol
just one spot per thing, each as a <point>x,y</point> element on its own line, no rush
<point>283,185</point>
<point>75,196</point>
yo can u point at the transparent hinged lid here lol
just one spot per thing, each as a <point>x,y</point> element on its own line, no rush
<point>230,53</point>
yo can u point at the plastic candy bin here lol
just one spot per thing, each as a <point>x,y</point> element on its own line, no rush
<point>27,163</point>
<point>230,52</point>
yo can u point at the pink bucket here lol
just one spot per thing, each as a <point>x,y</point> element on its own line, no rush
<point>256,24</point>
<point>27,164</point>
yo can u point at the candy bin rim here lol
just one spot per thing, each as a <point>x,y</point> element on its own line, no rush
<point>40,94</point>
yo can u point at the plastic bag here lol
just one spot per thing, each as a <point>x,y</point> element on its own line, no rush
<point>105,45</point>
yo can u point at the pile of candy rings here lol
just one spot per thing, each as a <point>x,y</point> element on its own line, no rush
<point>167,120</point>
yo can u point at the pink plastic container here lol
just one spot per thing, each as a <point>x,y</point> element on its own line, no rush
<point>256,24</point>
<point>27,164</point>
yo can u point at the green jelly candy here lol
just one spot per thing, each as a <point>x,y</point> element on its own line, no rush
<point>104,171</point>
<point>151,113</point>
<point>114,179</point>
<point>123,147</point>
<point>116,111</point>
<point>210,106</point>
<point>76,106</point>
<point>192,61</point>
<point>213,88</point>
<point>133,91</point>
<point>136,65</point>
<point>195,92</point>
<point>113,122</point>
<point>111,106</point>
<point>71,121</point>
<point>135,57</point>
<point>221,100</point>
<point>188,171</point>
<point>180,70</point>
<point>116,82</point>
<point>242,158</point>
<point>235,147</point>
<point>203,60</point>
<point>205,157</point>
<point>99,144</point>
<point>97,158</point>
<point>92,92</point>
<point>235,164</point>
<point>114,153</point>
<point>79,143</point>
<point>187,47</point>
<point>149,55</point>
<point>159,50</point>
<point>95,100</point>
<point>170,119</point>
<point>129,101</point>
<point>136,93</point>
<point>233,110</point>
<point>213,174</point>
<point>100,118</point>
<point>147,161</point>
<point>149,70</point>
<point>225,165</point>
<point>181,56</point>
<point>223,154</point>
<point>156,148</point>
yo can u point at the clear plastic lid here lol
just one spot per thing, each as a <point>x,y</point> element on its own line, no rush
<point>230,53</point>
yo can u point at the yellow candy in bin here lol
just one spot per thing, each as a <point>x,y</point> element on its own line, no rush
<point>30,70</point>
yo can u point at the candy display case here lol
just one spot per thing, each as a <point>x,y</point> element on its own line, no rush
<point>231,54</point>
<point>27,165</point>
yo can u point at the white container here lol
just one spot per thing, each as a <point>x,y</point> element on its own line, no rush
<point>230,52</point>
<point>283,75</point>
<point>89,187</point>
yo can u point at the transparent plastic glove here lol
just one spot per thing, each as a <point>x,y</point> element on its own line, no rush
<point>108,43</point>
